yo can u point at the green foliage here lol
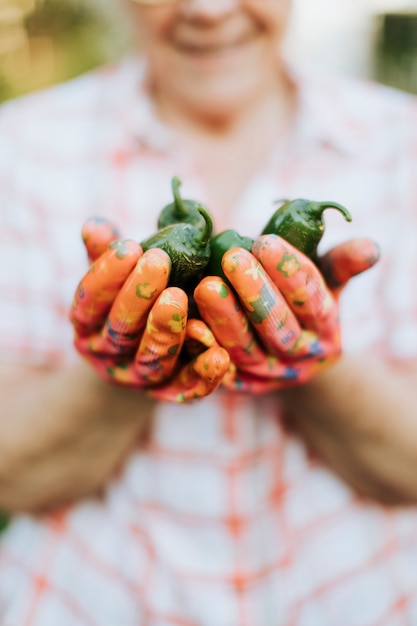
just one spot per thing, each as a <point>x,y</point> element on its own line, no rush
<point>82,37</point>
<point>4,521</point>
<point>53,18</point>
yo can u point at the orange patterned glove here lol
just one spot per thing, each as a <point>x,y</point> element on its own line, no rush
<point>132,327</point>
<point>280,322</point>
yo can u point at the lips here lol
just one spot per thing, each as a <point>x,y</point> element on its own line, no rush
<point>211,47</point>
<point>197,39</point>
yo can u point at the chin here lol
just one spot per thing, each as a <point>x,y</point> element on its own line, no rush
<point>213,86</point>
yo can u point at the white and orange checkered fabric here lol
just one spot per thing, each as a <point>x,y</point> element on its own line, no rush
<point>224,519</point>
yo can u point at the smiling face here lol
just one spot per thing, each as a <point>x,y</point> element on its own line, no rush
<point>211,54</point>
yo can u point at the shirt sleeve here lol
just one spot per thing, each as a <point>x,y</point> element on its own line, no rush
<point>35,295</point>
<point>380,307</point>
<point>399,291</point>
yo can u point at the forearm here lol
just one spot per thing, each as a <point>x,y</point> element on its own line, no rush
<point>70,395</point>
<point>55,433</point>
<point>360,417</point>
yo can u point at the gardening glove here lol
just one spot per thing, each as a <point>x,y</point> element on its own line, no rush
<point>132,327</point>
<point>279,318</point>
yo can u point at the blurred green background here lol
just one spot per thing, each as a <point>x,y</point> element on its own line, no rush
<point>395,49</point>
<point>43,42</point>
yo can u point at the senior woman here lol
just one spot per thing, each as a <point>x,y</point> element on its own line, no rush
<point>269,498</point>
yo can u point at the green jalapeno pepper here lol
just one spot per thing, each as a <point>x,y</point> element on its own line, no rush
<point>181,211</point>
<point>187,246</point>
<point>300,222</point>
<point>221,243</point>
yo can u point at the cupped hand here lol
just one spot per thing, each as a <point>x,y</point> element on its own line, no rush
<point>279,317</point>
<point>131,326</point>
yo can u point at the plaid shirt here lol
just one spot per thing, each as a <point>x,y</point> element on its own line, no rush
<point>224,519</point>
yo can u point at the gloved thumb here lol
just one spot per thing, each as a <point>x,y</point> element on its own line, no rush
<point>97,233</point>
<point>347,260</point>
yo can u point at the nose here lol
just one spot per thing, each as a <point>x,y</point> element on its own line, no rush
<point>208,9</point>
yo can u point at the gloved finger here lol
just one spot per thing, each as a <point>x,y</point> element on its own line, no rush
<point>97,234</point>
<point>163,338</point>
<point>266,308</point>
<point>220,309</point>
<point>299,281</point>
<point>196,379</point>
<point>198,337</point>
<point>132,304</point>
<point>222,312</point>
<point>347,260</point>
<point>98,289</point>
<point>157,354</point>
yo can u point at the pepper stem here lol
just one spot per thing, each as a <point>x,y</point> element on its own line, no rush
<point>317,208</point>
<point>208,228</point>
<point>180,209</point>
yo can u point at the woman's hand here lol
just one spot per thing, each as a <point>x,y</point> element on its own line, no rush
<point>280,323</point>
<point>132,327</point>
